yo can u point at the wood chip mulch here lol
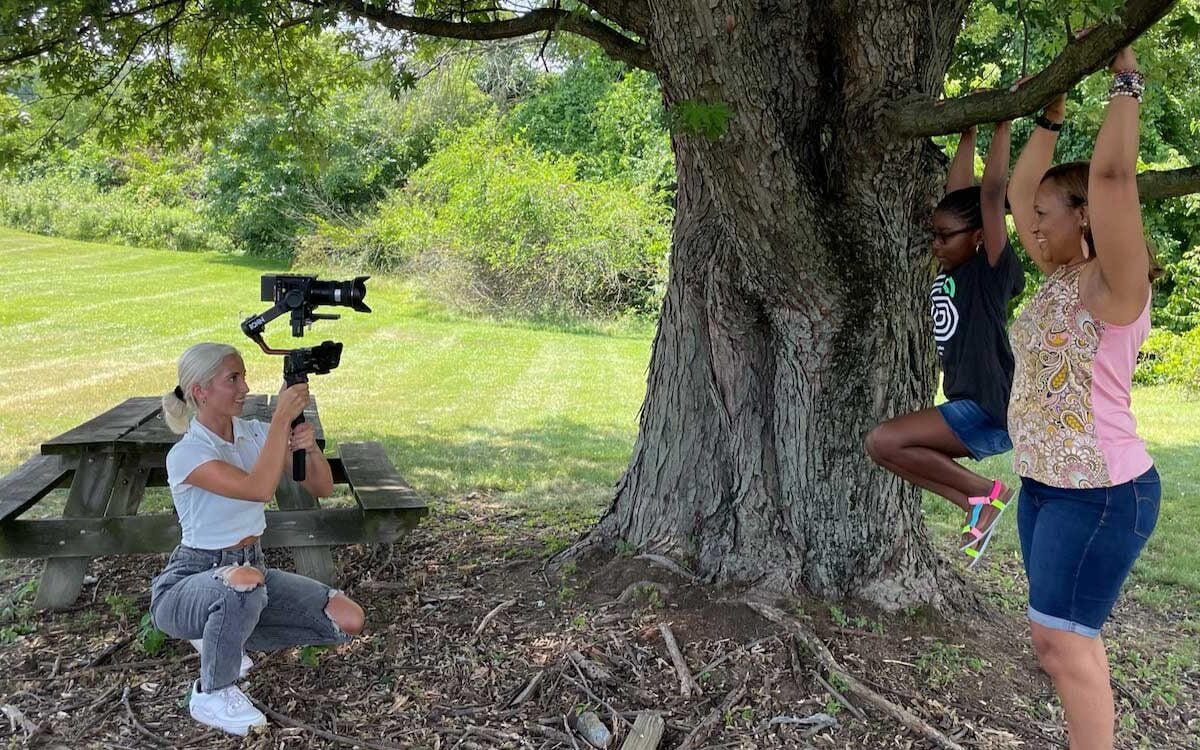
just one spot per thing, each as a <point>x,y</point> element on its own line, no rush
<point>470,644</point>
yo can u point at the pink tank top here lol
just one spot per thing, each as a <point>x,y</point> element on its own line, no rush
<point>1069,416</point>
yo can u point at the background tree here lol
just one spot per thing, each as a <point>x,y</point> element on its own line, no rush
<point>795,314</point>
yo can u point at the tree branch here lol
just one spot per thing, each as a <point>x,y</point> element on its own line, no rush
<point>48,46</point>
<point>914,117</point>
<point>25,54</point>
<point>1172,183</point>
<point>614,43</point>
<point>634,15</point>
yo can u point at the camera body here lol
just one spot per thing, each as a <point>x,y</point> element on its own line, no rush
<point>308,290</point>
<point>299,296</point>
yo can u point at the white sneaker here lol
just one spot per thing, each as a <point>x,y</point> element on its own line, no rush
<point>247,662</point>
<point>226,709</point>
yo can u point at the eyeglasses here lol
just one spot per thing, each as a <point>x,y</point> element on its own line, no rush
<point>944,237</point>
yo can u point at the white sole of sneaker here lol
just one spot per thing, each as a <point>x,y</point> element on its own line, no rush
<point>239,729</point>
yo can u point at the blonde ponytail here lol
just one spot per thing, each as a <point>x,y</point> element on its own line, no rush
<point>197,366</point>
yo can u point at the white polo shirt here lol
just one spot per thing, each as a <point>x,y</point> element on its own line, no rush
<point>209,520</point>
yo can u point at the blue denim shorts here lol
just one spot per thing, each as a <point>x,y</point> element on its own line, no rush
<point>1079,546</point>
<point>975,428</point>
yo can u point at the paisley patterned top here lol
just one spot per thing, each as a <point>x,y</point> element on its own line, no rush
<point>1069,416</point>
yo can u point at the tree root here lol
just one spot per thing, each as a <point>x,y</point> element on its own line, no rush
<point>825,657</point>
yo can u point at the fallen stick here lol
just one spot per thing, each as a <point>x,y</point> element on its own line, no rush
<point>498,736</point>
<point>567,726</point>
<point>107,652</point>
<point>127,666</point>
<point>549,733</point>
<point>989,716</point>
<point>339,739</point>
<point>588,692</point>
<point>823,655</point>
<point>714,717</point>
<point>858,714</point>
<point>687,683</point>
<point>529,690</point>
<point>594,671</point>
<point>487,619</point>
<point>139,726</point>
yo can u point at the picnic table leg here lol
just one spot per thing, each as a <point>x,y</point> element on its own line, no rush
<point>129,486</point>
<point>313,562</point>
<point>91,488</point>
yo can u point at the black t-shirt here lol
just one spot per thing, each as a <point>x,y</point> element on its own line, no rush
<point>970,316</point>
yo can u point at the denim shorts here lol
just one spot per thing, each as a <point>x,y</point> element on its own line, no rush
<point>1079,546</point>
<point>975,428</point>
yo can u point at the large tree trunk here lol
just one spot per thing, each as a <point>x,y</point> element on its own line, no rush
<point>796,316</point>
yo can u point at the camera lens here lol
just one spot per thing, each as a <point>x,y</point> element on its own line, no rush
<point>347,293</point>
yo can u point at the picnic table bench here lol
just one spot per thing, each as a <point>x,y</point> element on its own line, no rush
<point>108,461</point>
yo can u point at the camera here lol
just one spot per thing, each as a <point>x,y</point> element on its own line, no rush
<point>298,296</point>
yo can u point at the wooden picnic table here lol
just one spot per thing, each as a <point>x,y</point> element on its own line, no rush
<point>108,462</point>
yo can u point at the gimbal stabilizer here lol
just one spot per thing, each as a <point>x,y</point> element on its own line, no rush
<point>299,296</point>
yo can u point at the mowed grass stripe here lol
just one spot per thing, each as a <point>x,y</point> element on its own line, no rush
<point>460,404</point>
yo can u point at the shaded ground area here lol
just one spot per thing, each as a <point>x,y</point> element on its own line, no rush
<point>469,646</point>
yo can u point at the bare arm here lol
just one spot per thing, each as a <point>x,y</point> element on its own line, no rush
<point>991,193</point>
<point>962,168</point>
<point>1114,210</point>
<point>1027,175</point>
<point>318,477</point>
<point>257,485</point>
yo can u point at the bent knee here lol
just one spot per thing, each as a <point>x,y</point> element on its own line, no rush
<point>880,443</point>
<point>240,577</point>
<point>346,614</point>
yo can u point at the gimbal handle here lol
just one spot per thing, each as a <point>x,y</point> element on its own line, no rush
<point>299,456</point>
<point>253,327</point>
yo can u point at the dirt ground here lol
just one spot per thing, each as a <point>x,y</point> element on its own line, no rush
<point>469,644</point>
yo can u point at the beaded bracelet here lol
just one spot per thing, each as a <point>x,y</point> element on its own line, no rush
<point>1129,83</point>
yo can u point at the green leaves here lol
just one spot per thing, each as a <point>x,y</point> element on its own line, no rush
<point>1185,27</point>
<point>150,640</point>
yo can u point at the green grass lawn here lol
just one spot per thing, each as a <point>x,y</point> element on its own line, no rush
<point>542,419</point>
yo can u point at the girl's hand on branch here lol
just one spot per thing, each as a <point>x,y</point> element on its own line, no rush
<point>1056,110</point>
<point>1124,61</point>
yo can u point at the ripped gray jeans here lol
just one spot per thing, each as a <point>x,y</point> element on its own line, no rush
<point>192,599</point>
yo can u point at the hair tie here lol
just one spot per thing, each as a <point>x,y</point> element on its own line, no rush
<point>179,394</point>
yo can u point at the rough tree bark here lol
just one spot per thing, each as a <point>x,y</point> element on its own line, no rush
<point>795,317</point>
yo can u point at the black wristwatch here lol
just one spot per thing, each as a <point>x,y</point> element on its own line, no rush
<point>1044,122</point>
